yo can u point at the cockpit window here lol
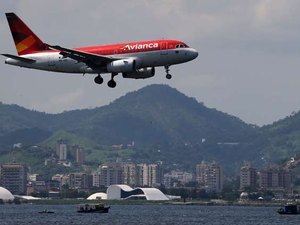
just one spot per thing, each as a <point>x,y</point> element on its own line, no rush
<point>181,46</point>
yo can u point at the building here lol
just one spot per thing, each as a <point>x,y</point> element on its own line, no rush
<point>201,173</point>
<point>130,174</point>
<point>154,175</point>
<point>14,178</point>
<point>61,150</point>
<point>210,176</point>
<point>6,195</point>
<point>80,181</point>
<point>97,196</point>
<point>58,178</point>
<point>126,192</point>
<point>148,175</point>
<point>111,173</point>
<point>248,176</point>
<point>96,179</point>
<point>177,178</point>
<point>275,178</point>
<point>80,154</point>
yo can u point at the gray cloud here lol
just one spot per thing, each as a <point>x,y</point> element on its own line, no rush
<point>248,52</point>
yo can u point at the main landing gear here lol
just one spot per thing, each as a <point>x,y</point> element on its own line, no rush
<point>98,79</point>
<point>111,83</point>
<point>168,76</point>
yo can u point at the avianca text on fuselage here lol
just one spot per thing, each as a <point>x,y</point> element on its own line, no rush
<point>133,60</point>
<point>141,46</point>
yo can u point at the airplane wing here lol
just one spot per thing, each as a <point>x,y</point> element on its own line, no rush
<point>92,60</point>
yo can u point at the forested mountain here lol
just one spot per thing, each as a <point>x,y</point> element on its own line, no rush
<point>163,124</point>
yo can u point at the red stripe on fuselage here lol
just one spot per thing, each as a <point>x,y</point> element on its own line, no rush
<point>126,48</point>
<point>131,47</point>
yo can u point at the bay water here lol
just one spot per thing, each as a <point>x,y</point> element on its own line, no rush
<point>155,214</point>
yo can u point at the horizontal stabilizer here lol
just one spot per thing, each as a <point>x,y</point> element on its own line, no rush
<point>19,58</point>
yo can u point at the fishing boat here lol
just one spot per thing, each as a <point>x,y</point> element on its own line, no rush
<point>93,208</point>
<point>289,209</point>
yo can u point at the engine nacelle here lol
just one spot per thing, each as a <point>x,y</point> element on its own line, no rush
<point>142,73</point>
<point>123,66</point>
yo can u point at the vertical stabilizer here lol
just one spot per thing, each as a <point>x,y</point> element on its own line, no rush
<point>26,41</point>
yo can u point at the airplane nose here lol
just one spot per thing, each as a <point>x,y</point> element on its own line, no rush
<point>194,53</point>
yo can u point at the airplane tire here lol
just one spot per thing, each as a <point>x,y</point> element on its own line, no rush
<point>112,84</point>
<point>98,80</point>
<point>168,76</point>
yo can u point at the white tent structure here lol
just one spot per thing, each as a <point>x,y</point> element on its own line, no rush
<point>126,192</point>
<point>97,196</point>
<point>5,194</point>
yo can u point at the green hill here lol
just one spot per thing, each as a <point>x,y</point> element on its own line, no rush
<point>163,123</point>
<point>282,138</point>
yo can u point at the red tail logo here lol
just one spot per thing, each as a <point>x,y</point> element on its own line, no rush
<point>25,40</point>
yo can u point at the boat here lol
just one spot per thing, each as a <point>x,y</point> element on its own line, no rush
<point>46,211</point>
<point>289,209</point>
<point>93,208</point>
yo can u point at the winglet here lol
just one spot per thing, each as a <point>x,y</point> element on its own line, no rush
<point>26,41</point>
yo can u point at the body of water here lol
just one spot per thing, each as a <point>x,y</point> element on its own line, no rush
<point>145,214</point>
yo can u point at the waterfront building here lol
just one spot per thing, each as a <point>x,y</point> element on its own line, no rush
<point>142,175</point>
<point>130,174</point>
<point>14,178</point>
<point>118,192</point>
<point>80,181</point>
<point>111,173</point>
<point>210,176</point>
<point>155,175</point>
<point>275,178</point>
<point>148,175</point>
<point>201,173</point>
<point>248,176</point>
<point>177,178</point>
<point>6,195</point>
<point>96,178</point>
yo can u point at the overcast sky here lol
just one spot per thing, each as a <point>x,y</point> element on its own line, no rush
<point>248,63</point>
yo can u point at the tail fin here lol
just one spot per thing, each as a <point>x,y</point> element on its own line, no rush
<point>26,41</point>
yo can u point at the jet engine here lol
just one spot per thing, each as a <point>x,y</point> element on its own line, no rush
<point>141,73</point>
<point>123,66</point>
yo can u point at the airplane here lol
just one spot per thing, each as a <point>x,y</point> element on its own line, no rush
<point>135,60</point>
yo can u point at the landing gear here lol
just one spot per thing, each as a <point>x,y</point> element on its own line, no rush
<point>168,76</point>
<point>98,79</point>
<point>112,83</point>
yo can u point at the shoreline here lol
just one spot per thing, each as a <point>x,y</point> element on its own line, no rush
<point>145,202</point>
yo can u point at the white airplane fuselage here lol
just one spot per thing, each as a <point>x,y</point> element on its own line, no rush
<point>53,61</point>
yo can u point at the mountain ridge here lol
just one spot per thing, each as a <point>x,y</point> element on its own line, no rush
<point>164,124</point>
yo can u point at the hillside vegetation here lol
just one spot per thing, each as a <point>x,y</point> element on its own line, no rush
<point>164,125</point>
